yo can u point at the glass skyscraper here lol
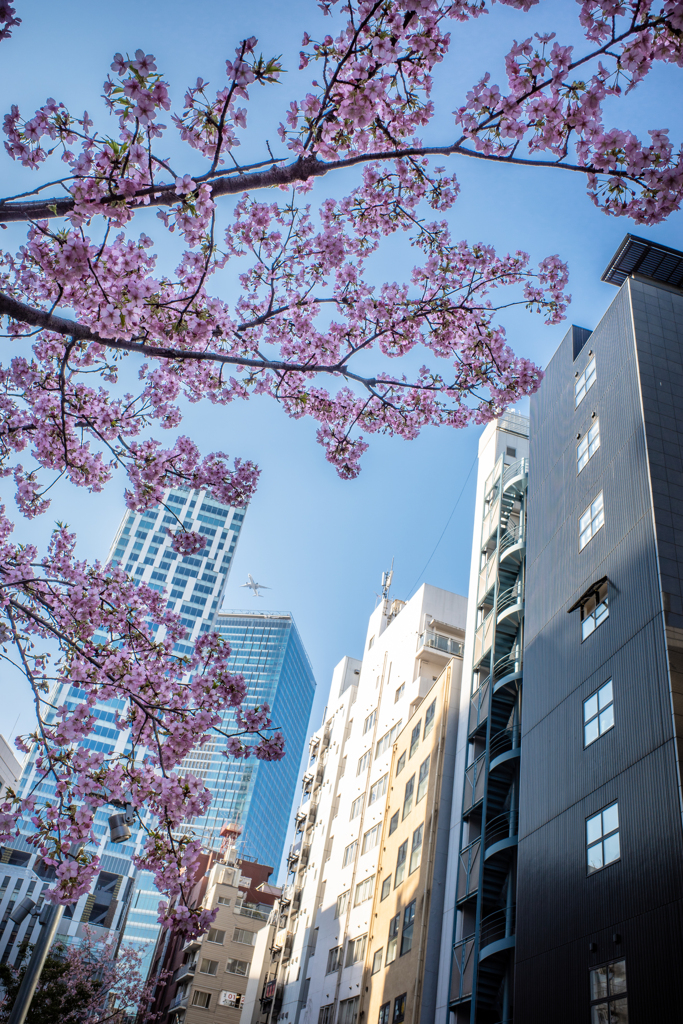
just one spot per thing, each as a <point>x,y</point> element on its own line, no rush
<point>257,795</point>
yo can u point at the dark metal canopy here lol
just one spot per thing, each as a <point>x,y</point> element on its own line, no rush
<point>593,589</point>
<point>639,256</point>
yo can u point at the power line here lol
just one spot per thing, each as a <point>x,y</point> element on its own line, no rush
<point>457,502</point>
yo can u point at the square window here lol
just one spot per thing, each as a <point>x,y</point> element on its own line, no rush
<point>377,966</point>
<point>602,838</point>
<point>594,611</point>
<point>587,446</point>
<point>202,999</point>
<point>598,714</point>
<point>216,935</point>
<point>208,966</point>
<point>584,382</point>
<point>609,1003</point>
<point>592,520</point>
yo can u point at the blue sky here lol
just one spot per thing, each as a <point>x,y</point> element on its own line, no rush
<point>321,544</point>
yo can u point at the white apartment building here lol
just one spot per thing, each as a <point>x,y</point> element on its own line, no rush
<point>322,942</point>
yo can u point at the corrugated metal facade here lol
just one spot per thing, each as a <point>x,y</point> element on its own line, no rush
<point>567,920</point>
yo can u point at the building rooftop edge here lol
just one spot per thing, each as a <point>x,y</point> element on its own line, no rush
<point>636,255</point>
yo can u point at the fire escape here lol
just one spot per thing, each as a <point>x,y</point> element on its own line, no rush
<point>483,951</point>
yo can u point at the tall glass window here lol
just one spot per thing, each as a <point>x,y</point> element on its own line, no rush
<point>592,520</point>
<point>602,838</point>
<point>584,382</point>
<point>598,714</point>
<point>587,446</point>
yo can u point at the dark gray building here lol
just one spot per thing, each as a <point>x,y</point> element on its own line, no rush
<point>599,922</point>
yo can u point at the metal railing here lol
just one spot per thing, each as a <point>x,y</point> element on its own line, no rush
<point>508,664</point>
<point>498,925</point>
<point>519,468</point>
<point>506,739</point>
<point>513,595</point>
<point>254,912</point>
<point>479,704</point>
<point>475,777</point>
<point>503,826</point>
<point>513,535</point>
<point>439,642</point>
<point>462,970</point>
<point>468,869</point>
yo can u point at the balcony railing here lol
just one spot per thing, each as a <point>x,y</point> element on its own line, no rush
<point>498,925</point>
<point>509,664</point>
<point>519,468</point>
<point>513,595</point>
<point>513,535</point>
<point>468,869</point>
<point>462,969</point>
<point>483,637</point>
<point>184,971</point>
<point>506,739</point>
<point>479,705</point>
<point>475,777</point>
<point>504,826</point>
<point>439,642</point>
<point>245,910</point>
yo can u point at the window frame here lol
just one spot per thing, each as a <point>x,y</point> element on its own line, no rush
<point>367,894</point>
<point>399,1009</point>
<point>215,931</point>
<point>236,960</point>
<point>408,797</point>
<point>608,998</point>
<point>356,807</point>
<point>416,848</point>
<point>376,830</point>
<point>334,962</point>
<point>408,928</point>
<point>369,721</point>
<point>401,762</point>
<point>595,609</point>
<point>342,903</point>
<point>602,838</point>
<point>590,716</point>
<point>244,931</point>
<point>588,446</point>
<point>584,381</point>
<point>393,822</point>
<point>392,942</point>
<point>401,860</point>
<point>384,1013</point>
<point>195,1002</point>
<point>415,739</point>
<point>209,974</point>
<point>375,790</point>
<point>423,779</point>
<point>386,888</point>
<point>363,761</point>
<point>355,949</point>
<point>430,717</point>
<point>349,853</point>
<point>377,962</point>
<point>593,517</point>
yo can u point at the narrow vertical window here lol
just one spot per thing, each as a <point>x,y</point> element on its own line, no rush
<point>598,714</point>
<point>416,849</point>
<point>429,719</point>
<point>401,863</point>
<point>584,382</point>
<point>392,944</point>
<point>408,925</point>
<point>594,611</point>
<point>408,799</point>
<point>592,520</point>
<point>423,779</point>
<point>587,446</point>
<point>608,993</point>
<point>602,838</point>
<point>415,738</point>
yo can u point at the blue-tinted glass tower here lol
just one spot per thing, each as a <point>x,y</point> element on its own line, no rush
<point>257,795</point>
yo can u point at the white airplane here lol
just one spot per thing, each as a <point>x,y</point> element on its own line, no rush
<point>253,585</point>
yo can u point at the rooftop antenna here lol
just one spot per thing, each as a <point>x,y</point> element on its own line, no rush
<point>386,581</point>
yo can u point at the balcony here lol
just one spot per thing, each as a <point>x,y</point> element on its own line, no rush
<point>179,1002</point>
<point>283,943</point>
<point>294,854</point>
<point>252,910</point>
<point>446,645</point>
<point>497,932</point>
<point>515,476</point>
<point>192,944</point>
<point>475,778</point>
<point>487,578</point>
<point>468,871</point>
<point>479,706</point>
<point>185,971</point>
<point>483,638</point>
<point>462,970</point>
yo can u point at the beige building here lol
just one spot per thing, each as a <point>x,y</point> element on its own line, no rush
<point>401,958</point>
<point>219,978</point>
